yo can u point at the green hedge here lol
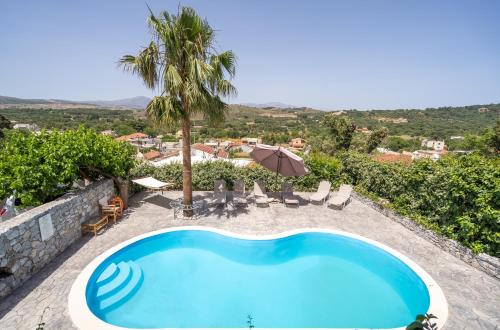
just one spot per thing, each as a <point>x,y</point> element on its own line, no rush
<point>458,196</point>
<point>41,167</point>
<point>205,173</point>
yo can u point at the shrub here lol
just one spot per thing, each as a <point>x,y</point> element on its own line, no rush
<point>205,173</point>
<point>456,196</point>
<point>41,167</point>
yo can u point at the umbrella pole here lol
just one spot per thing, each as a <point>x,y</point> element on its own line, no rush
<point>278,167</point>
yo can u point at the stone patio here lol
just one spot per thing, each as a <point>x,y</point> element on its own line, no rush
<point>473,296</point>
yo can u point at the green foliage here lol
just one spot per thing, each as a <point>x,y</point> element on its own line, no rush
<point>4,123</point>
<point>182,63</point>
<point>397,143</point>
<point>169,138</point>
<point>341,130</point>
<point>245,121</point>
<point>458,196</point>
<point>375,139</point>
<point>205,173</point>
<point>423,322</point>
<point>438,123</point>
<point>41,167</point>
<point>494,141</point>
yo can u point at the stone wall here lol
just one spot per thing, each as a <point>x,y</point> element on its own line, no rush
<point>481,261</point>
<point>32,239</point>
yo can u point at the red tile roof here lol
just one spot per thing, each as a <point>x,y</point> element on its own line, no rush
<point>209,150</point>
<point>152,154</point>
<point>390,158</point>
<point>132,136</point>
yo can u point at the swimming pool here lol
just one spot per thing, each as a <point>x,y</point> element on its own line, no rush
<point>195,277</point>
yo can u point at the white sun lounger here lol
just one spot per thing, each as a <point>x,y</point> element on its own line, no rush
<point>287,195</point>
<point>152,184</point>
<point>341,198</point>
<point>259,192</point>
<point>220,193</point>
<point>322,194</point>
<point>239,196</point>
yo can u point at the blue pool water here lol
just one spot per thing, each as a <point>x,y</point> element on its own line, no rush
<point>196,278</point>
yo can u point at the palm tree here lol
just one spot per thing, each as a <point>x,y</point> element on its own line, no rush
<point>190,76</point>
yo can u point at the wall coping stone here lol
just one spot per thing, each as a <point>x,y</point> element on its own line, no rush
<point>43,209</point>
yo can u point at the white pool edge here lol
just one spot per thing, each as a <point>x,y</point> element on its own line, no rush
<point>84,319</point>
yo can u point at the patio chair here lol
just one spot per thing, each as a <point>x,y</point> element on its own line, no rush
<point>239,196</point>
<point>287,195</point>
<point>110,208</point>
<point>341,198</point>
<point>320,196</point>
<point>220,193</point>
<point>260,195</point>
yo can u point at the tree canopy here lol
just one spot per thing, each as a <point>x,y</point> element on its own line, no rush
<point>40,167</point>
<point>182,64</point>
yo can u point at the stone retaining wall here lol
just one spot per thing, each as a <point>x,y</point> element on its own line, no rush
<point>481,261</point>
<point>32,239</point>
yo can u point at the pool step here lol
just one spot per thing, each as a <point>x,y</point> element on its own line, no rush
<point>108,274</point>
<point>117,283</point>
<point>122,285</point>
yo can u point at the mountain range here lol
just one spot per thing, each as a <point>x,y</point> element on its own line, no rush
<point>137,102</point>
<point>278,105</point>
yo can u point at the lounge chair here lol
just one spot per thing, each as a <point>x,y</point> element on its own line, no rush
<point>110,208</point>
<point>152,184</point>
<point>260,195</point>
<point>341,198</point>
<point>239,196</point>
<point>220,193</point>
<point>320,196</point>
<point>287,195</point>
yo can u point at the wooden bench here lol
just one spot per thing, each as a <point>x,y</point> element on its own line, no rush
<point>93,226</point>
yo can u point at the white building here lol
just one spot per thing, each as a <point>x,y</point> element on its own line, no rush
<point>433,144</point>
<point>251,141</point>
<point>27,127</point>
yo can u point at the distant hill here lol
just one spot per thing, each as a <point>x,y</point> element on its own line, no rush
<point>138,102</point>
<point>16,100</point>
<point>278,105</point>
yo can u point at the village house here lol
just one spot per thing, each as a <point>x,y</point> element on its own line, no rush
<point>140,140</point>
<point>208,152</point>
<point>109,133</point>
<point>152,154</point>
<point>27,127</point>
<point>418,154</point>
<point>251,141</point>
<point>433,144</point>
<point>297,143</point>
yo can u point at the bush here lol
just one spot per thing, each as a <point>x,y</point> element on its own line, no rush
<point>41,167</point>
<point>205,173</point>
<point>456,196</point>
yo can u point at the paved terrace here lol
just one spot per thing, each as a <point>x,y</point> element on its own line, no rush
<point>473,296</point>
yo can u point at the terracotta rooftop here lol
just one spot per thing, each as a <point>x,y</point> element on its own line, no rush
<point>209,150</point>
<point>132,136</point>
<point>152,154</point>
<point>391,158</point>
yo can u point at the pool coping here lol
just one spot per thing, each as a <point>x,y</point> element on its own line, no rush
<point>84,319</point>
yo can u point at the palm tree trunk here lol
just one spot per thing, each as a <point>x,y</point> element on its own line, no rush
<point>187,186</point>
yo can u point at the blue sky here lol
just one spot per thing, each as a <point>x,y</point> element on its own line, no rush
<point>324,54</point>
